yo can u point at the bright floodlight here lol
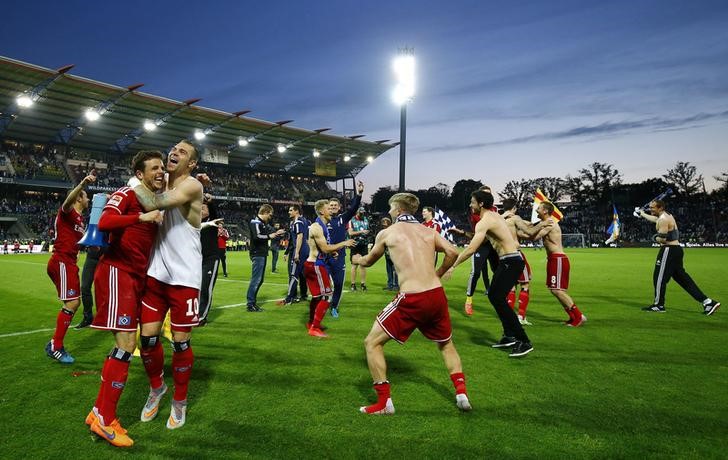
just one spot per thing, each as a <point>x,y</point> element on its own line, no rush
<point>24,101</point>
<point>242,142</point>
<point>149,125</point>
<point>92,115</point>
<point>281,148</point>
<point>370,159</point>
<point>199,135</point>
<point>404,70</point>
<point>316,153</point>
<point>347,158</point>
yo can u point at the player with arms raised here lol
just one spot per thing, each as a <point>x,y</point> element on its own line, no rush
<point>62,268</point>
<point>558,267</point>
<point>421,303</point>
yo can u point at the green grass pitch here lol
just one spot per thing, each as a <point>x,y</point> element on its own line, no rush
<point>629,384</point>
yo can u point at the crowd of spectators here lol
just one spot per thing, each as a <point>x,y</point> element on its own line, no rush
<point>700,218</point>
<point>33,162</point>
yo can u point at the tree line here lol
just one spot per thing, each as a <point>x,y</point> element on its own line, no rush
<point>596,184</point>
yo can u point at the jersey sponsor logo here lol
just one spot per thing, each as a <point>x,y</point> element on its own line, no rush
<point>114,201</point>
<point>124,320</point>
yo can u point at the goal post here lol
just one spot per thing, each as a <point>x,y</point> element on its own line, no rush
<point>573,240</point>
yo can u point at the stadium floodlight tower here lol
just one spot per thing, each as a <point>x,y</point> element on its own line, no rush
<point>404,92</point>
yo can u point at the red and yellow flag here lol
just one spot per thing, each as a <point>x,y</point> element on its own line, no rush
<point>538,198</point>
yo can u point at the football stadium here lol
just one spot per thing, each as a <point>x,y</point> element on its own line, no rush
<point>255,274</point>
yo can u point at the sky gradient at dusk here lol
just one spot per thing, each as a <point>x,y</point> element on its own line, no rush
<point>505,89</point>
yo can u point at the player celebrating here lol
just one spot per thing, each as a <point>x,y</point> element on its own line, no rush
<point>421,303</point>
<point>317,277</point>
<point>62,268</point>
<point>173,280</point>
<point>669,263</point>
<point>492,226</point>
<point>119,284</point>
<point>557,267</point>
<point>336,265</point>
<point>518,227</point>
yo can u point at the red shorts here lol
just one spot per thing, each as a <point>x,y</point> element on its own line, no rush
<point>557,272</point>
<point>64,275</point>
<point>118,296</point>
<point>426,311</point>
<point>181,301</point>
<point>317,279</point>
<point>525,276</point>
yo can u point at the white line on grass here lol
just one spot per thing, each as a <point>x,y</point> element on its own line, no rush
<point>222,307</point>
<point>13,334</point>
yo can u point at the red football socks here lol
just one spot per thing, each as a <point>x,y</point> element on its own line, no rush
<point>523,299</point>
<point>458,380</point>
<point>113,381</point>
<point>63,320</point>
<point>182,361</point>
<point>511,298</point>
<point>320,312</point>
<point>382,389</point>
<point>153,359</point>
<point>575,312</point>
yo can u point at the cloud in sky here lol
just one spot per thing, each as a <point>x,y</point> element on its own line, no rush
<point>596,131</point>
<point>528,78</point>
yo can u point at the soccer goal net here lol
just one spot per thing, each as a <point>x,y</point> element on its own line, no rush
<point>573,240</point>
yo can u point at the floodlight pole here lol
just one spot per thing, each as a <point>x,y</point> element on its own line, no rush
<point>402,145</point>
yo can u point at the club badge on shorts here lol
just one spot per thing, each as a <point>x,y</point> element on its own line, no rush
<point>124,320</point>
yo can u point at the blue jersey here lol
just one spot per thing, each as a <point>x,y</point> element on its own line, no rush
<point>337,228</point>
<point>299,226</point>
<point>323,258</point>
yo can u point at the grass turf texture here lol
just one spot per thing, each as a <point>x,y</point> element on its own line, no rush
<point>627,384</point>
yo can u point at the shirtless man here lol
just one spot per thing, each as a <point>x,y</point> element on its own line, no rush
<point>669,263</point>
<point>173,280</point>
<point>518,226</point>
<point>493,228</point>
<point>557,267</point>
<point>317,276</point>
<point>421,303</point>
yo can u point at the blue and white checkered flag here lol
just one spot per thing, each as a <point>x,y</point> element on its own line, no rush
<point>445,224</point>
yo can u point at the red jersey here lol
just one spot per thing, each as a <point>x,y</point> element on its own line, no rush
<point>222,236</point>
<point>129,246</point>
<point>475,217</point>
<point>69,229</point>
<point>434,225</point>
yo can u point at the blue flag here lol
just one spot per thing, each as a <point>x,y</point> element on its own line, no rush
<point>615,229</point>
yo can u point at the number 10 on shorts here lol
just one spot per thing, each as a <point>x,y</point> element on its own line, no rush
<point>193,307</point>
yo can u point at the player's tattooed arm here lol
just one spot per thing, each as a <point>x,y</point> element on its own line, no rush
<point>186,192</point>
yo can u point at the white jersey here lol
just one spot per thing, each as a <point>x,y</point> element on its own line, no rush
<point>177,254</point>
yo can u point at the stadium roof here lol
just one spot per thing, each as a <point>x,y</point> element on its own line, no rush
<point>58,116</point>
